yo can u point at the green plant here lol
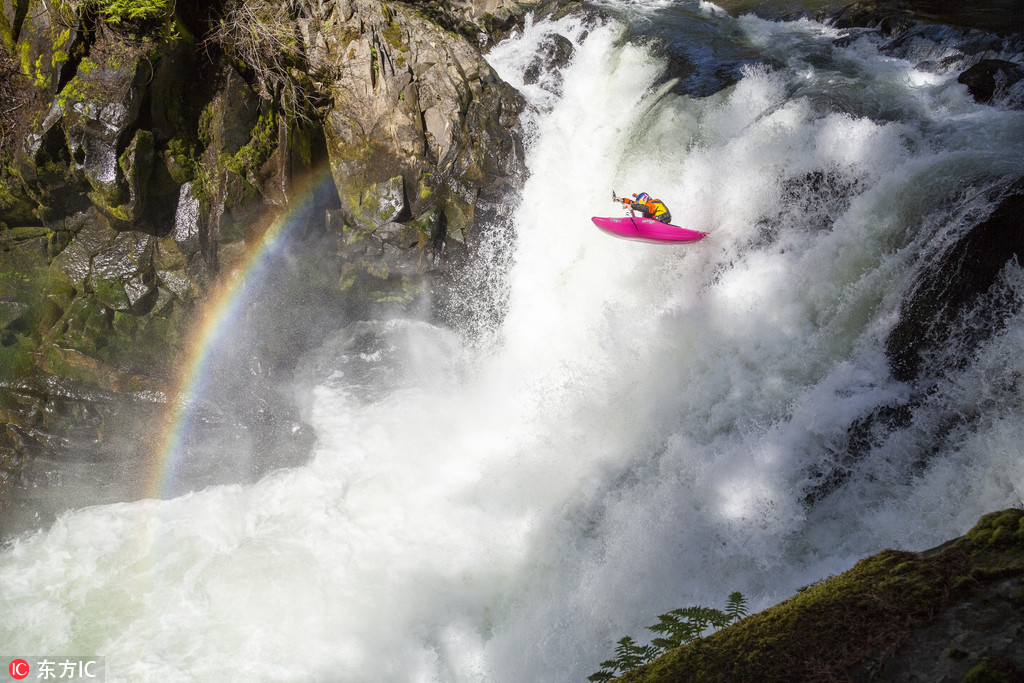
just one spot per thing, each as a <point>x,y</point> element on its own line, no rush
<point>123,11</point>
<point>676,628</point>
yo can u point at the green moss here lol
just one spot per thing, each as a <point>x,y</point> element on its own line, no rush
<point>143,344</point>
<point>393,289</point>
<point>120,212</point>
<point>55,361</point>
<point>17,357</point>
<point>987,671</point>
<point>75,366</point>
<point>24,280</point>
<point>25,59</point>
<point>393,35</point>
<point>6,33</point>
<point>180,160</point>
<point>345,282</point>
<point>85,325</point>
<point>425,188</point>
<point>12,236</point>
<point>81,90</point>
<point>261,145</point>
<point>42,78</point>
<point>111,293</point>
<point>207,118</point>
<point>300,140</point>
<point>991,542</point>
<point>58,58</point>
<point>203,187</point>
<point>121,11</point>
<point>87,66</point>
<point>824,632</point>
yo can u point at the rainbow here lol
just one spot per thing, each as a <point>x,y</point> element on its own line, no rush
<point>217,315</point>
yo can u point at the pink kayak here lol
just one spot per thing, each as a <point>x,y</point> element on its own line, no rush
<point>646,230</point>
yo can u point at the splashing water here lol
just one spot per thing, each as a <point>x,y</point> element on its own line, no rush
<point>643,429</point>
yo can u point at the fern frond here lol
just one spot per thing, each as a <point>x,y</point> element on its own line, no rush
<point>629,654</point>
<point>718,618</point>
<point>665,643</point>
<point>667,623</point>
<point>736,607</point>
<point>678,627</point>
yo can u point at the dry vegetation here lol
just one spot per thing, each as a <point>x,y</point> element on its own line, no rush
<point>12,101</point>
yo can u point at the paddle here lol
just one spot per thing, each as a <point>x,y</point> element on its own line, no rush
<point>631,217</point>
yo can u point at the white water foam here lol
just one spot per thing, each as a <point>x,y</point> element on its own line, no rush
<point>640,434</point>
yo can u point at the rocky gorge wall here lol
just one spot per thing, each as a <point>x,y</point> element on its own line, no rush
<point>145,152</point>
<point>146,156</point>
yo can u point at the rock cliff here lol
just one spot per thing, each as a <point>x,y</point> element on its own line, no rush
<point>145,151</point>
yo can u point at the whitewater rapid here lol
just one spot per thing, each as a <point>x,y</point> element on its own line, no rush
<point>642,429</point>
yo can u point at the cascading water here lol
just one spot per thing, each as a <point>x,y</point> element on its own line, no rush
<point>649,427</point>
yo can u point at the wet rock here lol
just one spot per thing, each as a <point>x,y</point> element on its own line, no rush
<point>100,105</point>
<point>46,42</point>
<point>432,112</point>
<point>122,276</point>
<point>136,166</point>
<point>23,276</point>
<point>92,230</point>
<point>871,15</point>
<point>995,17</point>
<point>947,289</point>
<point>382,203</point>
<point>49,191</point>
<point>170,264</point>
<point>991,78</point>
<point>186,230</point>
<point>116,267</point>
<point>554,54</point>
<point>231,115</point>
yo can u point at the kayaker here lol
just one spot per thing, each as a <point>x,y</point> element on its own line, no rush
<point>647,206</point>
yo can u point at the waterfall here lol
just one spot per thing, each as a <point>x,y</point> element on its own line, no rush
<point>648,427</point>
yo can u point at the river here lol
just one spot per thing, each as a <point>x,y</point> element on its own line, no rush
<point>644,427</point>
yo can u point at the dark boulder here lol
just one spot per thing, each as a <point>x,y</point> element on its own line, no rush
<point>554,53</point>
<point>991,78</point>
<point>946,290</point>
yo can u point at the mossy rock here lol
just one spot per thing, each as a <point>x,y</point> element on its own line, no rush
<point>122,275</point>
<point>988,671</point>
<point>24,280</point>
<point>85,325</point>
<point>73,366</point>
<point>146,345</point>
<point>17,356</point>
<point>16,206</point>
<point>136,164</point>
<point>43,36</point>
<point>847,626</point>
